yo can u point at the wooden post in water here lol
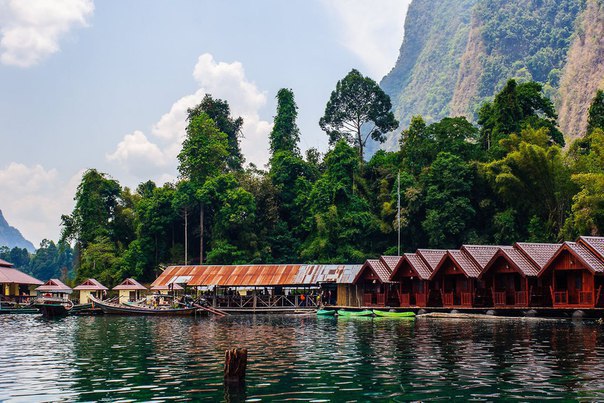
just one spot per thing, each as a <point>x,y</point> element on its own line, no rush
<point>235,363</point>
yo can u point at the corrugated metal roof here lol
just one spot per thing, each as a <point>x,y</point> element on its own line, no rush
<point>539,253</point>
<point>432,257</point>
<point>54,285</point>
<point>258,275</point>
<point>417,264</point>
<point>91,285</point>
<point>130,284</point>
<point>4,263</point>
<point>595,243</point>
<point>167,287</point>
<point>482,254</point>
<point>9,275</point>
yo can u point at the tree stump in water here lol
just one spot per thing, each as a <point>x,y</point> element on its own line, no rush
<point>235,363</point>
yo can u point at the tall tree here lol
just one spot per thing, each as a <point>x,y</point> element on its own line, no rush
<point>285,134</point>
<point>220,112</point>
<point>357,110</point>
<point>595,117</point>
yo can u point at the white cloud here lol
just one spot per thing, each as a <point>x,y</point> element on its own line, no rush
<point>33,199</point>
<point>30,30</point>
<point>372,30</point>
<point>154,156</point>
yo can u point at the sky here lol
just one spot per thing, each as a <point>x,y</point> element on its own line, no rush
<point>106,85</point>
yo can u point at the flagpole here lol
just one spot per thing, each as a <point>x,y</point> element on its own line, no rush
<point>398,210</point>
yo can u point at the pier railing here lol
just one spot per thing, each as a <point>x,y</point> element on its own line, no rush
<point>263,301</point>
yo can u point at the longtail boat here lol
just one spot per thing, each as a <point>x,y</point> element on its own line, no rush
<point>53,307</point>
<point>389,314</point>
<point>364,312</point>
<point>120,309</point>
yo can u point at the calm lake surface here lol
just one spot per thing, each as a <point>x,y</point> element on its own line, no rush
<point>300,358</point>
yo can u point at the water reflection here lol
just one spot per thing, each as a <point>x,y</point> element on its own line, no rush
<point>299,357</point>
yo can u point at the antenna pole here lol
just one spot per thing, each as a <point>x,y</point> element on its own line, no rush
<point>398,210</point>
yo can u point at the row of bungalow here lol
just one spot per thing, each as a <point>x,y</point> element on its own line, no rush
<point>566,275</point>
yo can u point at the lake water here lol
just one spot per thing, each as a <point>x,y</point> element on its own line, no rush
<point>300,358</point>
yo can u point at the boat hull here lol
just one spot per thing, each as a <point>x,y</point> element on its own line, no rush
<point>56,310</point>
<point>326,312</point>
<point>118,309</point>
<point>387,314</point>
<point>364,312</point>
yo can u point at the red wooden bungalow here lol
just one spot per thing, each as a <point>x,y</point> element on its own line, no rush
<point>454,278</point>
<point>572,273</point>
<point>374,280</point>
<point>539,254</point>
<point>432,258</point>
<point>412,274</point>
<point>510,276</point>
<point>482,255</point>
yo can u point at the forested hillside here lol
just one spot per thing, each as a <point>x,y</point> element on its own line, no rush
<point>458,54</point>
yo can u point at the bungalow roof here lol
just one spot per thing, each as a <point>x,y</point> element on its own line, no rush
<point>91,285</point>
<point>432,257</point>
<point>517,259</point>
<point>10,275</point>
<point>4,263</point>
<point>55,285</point>
<point>482,254</point>
<point>378,267</point>
<point>462,260</point>
<point>595,243</point>
<point>538,253</point>
<point>130,284</point>
<point>587,257</point>
<point>419,265</point>
<point>391,261</point>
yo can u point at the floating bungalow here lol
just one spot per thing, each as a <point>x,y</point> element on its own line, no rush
<point>54,288</point>
<point>16,286</point>
<point>374,281</point>
<point>130,290</point>
<point>91,287</point>
<point>412,273</point>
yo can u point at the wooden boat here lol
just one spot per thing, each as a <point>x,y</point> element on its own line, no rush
<point>52,307</point>
<point>120,309</point>
<point>364,312</point>
<point>393,314</point>
<point>326,312</point>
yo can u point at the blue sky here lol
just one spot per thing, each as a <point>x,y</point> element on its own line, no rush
<point>106,84</point>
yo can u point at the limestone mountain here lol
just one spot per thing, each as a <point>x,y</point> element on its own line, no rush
<point>11,236</point>
<point>456,54</point>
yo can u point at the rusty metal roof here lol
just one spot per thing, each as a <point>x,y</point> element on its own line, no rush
<point>4,263</point>
<point>129,284</point>
<point>538,253</point>
<point>417,264</point>
<point>595,243</point>
<point>482,254</point>
<point>55,285</point>
<point>391,261</point>
<point>9,275</point>
<point>168,287</point>
<point>257,275</point>
<point>91,285</point>
<point>378,267</point>
<point>432,257</point>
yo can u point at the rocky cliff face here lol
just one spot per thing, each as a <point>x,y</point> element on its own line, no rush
<point>11,237</point>
<point>456,54</point>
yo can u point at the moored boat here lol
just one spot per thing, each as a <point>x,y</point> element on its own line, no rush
<point>326,312</point>
<point>52,307</point>
<point>364,312</point>
<point>394,314</point>
<point>120,309</point>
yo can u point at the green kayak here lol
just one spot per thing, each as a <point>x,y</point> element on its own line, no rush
<point>326,312</point>
<point>388,314</point>
<point>365,312</point>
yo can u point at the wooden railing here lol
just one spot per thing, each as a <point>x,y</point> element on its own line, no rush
<point>381,299</point>
<point>499,298</point>
<point>421,299</point>
<point>404,299</point>
<point>448,298</point>
<point>263,301</point>
<point>467,298</point>
<point>367,299</point>
<point>560,297</point>
<point>585,297</point>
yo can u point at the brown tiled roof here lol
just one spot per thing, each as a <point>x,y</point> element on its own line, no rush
<point>379,268</point>
<point>589,259</point>
<point>9,275</point>
<point>432,257</point>
<point>595,243</point>
<point>257,275</point>
<point>54,285</point>
<point>539,253</point>
<point>465,262</point>
<point>130,284</point>
<point>91,285</point>
<point>419,265</point>
<point>391,261</point>
<point>482,254</point>
<point>517,259</point>
<point>4,263</point>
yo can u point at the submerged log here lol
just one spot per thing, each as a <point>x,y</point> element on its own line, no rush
<point>235,363</point>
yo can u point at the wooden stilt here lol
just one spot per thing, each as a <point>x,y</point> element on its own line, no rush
<point>235,363</point>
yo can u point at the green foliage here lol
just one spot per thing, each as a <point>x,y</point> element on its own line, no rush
<point>357,101</point>
<point>285,134</point>
<point>595,117</point>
